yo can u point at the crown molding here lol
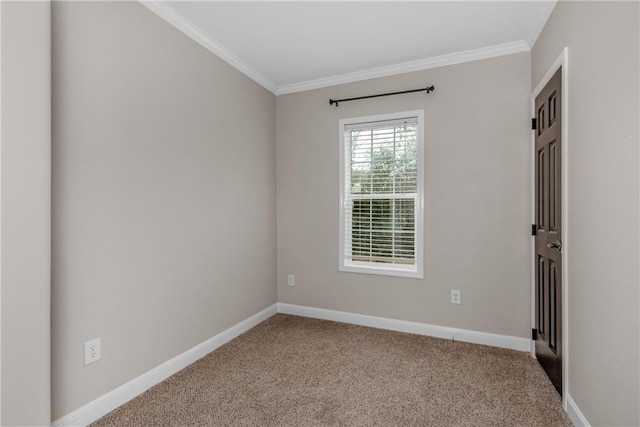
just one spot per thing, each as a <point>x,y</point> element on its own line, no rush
<point>407,67</point>
<point>167,13</point>
<point>546,8</point>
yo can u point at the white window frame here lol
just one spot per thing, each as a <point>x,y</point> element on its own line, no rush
<point>411,271</point>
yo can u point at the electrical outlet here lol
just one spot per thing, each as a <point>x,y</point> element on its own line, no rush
<point>455,297</point>
<point>291,280</point>
<point>92,351</point>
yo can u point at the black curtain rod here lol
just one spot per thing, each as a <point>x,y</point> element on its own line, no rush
<point>335,101</point>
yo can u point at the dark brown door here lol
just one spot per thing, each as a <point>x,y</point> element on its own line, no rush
<point>548,243</point>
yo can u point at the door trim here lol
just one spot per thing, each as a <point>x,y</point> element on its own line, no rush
<point>561,61</point>
<point>0,218</point>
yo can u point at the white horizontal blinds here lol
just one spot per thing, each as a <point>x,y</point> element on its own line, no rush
<point>381,169</point>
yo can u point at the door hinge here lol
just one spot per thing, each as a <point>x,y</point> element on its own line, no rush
<point>534,229</point>
<point>534,334</point>
<point>534,124</point>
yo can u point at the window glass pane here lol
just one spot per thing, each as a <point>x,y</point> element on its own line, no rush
<point>383,230</point>
<point>384,160</point>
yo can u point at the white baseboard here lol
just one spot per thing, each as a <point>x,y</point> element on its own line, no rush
<point>96,409</point>
<point>495,340</point>
<point>575,414</point>
<point>106,403</point>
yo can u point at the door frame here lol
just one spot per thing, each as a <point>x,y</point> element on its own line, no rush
<point>561,61</point>
<point>0,217</point>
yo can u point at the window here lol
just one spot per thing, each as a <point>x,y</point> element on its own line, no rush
<point>381,192</point>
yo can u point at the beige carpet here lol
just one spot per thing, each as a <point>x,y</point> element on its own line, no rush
<point>296,371</point>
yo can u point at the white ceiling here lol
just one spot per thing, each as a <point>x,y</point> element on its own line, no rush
<point>292,46</point>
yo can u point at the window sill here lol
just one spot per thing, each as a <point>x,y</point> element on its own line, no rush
<point>412,273</point>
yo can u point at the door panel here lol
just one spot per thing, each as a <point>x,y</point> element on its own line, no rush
<point>553,155</point>
<point>548,182</point>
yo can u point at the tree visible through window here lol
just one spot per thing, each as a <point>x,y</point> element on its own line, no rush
<point>381,194</point>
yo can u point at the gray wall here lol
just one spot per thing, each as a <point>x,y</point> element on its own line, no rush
<point>163,196</point>
<point>477,199</point>
<point>603,230</point>
<point>26,219</point>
